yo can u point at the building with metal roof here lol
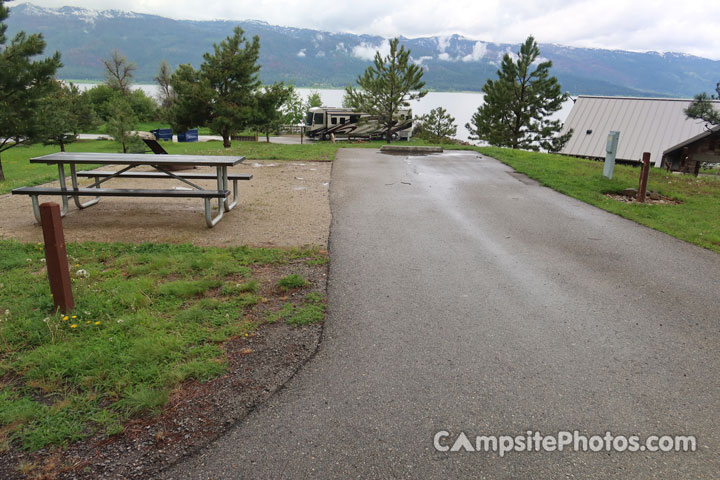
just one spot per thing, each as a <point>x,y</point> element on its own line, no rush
<point>688,156</point>
<point>645,125</point>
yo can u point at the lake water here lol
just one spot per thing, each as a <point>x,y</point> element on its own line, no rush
<point>461,105</point>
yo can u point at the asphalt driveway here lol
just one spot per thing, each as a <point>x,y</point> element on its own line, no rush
<point>466,298</point>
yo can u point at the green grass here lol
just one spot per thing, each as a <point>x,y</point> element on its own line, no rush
<point>146,319</point>
<point>20,172</point>
<point>695,220</point>
<point>291,281</point>
<point>312,310</point>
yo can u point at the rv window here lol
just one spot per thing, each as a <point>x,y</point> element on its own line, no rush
<point>333,120</point>
<point>354,118</point>
<point>342,120</point>
<point>309,119</point>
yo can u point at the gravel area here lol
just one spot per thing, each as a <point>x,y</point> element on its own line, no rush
<point>285,204</point>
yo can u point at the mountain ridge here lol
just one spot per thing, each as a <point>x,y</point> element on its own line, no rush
<point>316,58</point>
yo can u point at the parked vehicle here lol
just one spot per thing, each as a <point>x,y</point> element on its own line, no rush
<point>347,123</point>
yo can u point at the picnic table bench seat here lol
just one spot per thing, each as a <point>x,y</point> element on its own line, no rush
<point>206,195</point>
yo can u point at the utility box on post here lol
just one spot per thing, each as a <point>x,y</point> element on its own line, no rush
<point>610,153</point>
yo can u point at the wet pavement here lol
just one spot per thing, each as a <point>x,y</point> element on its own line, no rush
<point>466,298</point>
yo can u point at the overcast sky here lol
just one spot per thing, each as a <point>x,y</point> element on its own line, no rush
<point>690,26</point>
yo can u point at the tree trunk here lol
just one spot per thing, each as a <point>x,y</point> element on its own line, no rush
<point>62,146</point>
<point>388,134</point>
<point>226,140</point>
<point>2,175</point>
<point>267,134</point>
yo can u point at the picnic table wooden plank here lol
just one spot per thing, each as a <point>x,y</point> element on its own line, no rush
<point>138,159</point>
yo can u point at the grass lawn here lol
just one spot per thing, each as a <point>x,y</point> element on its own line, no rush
<point>696,220</point>
<point>19,172</point>
<point>147,318</point>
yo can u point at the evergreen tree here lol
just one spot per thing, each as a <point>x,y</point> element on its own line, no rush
<point>386,86</point>
<point>270,100</point>
<point>519,103</point>
<point>437,126</point>
<point>23,83</point>
<point>121,123</point>
<point>64,113</point>
<point>313,100</point>
<point>221,94</point>
<point>702,108</point>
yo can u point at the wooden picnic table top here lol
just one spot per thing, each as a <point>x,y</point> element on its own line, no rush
<point>138,159</point>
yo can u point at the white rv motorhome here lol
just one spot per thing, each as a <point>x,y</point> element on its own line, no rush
<point>347,123</point>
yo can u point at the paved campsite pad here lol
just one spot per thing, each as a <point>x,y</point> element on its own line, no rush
<point>285,204</point>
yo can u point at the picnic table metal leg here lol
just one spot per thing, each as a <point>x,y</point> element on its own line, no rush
<point>228,204</point>
<point>64,209</point>
<point>76,198</point>
<point>221,182</point>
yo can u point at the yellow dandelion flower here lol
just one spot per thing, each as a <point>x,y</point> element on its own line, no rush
<point>74,317</point>
<point>65,317</point>
<point>97,323</point>
<point>246,334</point>
<point>74,325</point>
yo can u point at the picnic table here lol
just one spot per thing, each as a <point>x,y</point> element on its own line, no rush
<point>161,170</point>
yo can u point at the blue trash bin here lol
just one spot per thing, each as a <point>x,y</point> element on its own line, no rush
<point>189,136</point>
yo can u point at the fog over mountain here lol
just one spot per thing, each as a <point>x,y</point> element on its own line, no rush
<point>328,59</point>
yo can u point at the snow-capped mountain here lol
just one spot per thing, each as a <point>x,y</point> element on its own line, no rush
<point>330,59</point>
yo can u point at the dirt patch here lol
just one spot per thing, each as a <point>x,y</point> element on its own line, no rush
<point>285,204</point>
<point>198,412</point>
<point>663,200</point>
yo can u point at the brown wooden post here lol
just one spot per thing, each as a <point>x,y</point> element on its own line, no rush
<point>56,257</point>
<point>644,173</point>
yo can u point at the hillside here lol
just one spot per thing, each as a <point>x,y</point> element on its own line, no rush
<point>325,59</point>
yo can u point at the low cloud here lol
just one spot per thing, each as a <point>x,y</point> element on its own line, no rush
<point>367,51</point>
<point>479,50</point>
<point>420,60</point>
<point>301,53</point>
<point>443,42</point>
<point>444,57</point>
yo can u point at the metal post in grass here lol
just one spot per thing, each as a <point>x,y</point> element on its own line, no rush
<point>610,153</point>
<point>56,257</point>
<point>644,173</point>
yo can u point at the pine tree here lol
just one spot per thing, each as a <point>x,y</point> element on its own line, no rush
<point>269,115</point>
<point>386,86</point>
<point>23,83</point>
<point>517,106</point>
<point>437,126</point>
<point>313,100</point>
<point>702,108</point>
<point>221,94</point>
<point>64,113</point>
